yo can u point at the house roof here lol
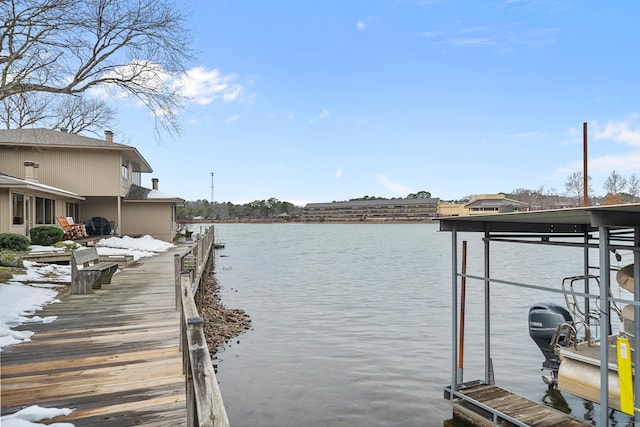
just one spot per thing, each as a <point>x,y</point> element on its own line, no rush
<point>364,203</point>
<point>7,181</point>
<point>142,194</point>
<point>503,202</point>
<point>54,138</point>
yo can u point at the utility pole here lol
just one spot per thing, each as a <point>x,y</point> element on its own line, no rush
<point>211,187</point>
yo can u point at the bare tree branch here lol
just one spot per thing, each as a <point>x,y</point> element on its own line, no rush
<point>68,47</point>
<point>22,110</point>
<point>77,114</point>
<point>615,183</point>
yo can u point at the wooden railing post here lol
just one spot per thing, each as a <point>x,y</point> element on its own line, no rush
<point>204,400</point>
<point>177,271</point>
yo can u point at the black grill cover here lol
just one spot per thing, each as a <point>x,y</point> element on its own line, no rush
<point>98,226</point>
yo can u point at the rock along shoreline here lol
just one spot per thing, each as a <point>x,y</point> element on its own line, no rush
<point>221,324</point>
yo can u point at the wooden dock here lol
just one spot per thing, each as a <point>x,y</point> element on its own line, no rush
<point>489,405</point>
<point>111,355</point>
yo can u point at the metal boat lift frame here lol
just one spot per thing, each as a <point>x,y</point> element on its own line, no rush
<point>607,228</point>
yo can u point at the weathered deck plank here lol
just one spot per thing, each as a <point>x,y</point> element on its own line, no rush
<point>112,355</point>
<point>512,405</point>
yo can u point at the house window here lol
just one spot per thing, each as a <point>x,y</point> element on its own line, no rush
<point>44,210</point>
<point>73,210</point>
<point>18,209</point>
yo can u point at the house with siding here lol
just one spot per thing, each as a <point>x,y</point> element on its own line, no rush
<point>47,173</point>
<point>482,204</point>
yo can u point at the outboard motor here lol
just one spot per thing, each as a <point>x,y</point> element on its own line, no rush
<point>544,319</point>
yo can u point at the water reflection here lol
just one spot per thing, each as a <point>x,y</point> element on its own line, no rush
<point>554,399</point>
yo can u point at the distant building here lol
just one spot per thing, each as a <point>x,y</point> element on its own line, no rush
<point>482,204</point>
<point>371,210</point>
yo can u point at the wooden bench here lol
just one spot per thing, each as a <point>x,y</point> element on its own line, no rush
<point>93,273</point>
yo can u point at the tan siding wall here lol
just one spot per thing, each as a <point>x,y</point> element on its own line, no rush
<point>105,207</point>
<point>453,209</point>
<point>155,219</point>
<point>85,172</point>
<point>6,222</point>
<point>5,210</point>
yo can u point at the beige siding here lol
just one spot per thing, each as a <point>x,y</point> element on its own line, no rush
<point>105,207</point>
<point>6,222</point>
<point>100,169</point>
<point>155,219</point>
<point>5,210</point>
<point>452,209</point>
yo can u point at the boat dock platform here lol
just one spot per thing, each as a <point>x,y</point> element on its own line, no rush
<point>112,356</point>
<point>488,405</point>
<point>613,233</point>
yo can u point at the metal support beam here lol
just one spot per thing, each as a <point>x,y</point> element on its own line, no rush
<point>587,309</point>
<point>614,218</point>
<point>488,368</point>
<point>636,323</point>
<point>605,275</point>
<point>454,309</point>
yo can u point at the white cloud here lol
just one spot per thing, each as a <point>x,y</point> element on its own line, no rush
<point>203,86</point>
<point>233,118</point>
<point>361,25</point>
<point>470,42</point>
<point>399,189</point>
<point>624,163</point>
<point>626,130</point>
<point>324,114</point>
<point>339,173</point>
<point>198,85</point>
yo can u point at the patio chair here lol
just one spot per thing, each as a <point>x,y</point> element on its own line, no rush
<point>71,230</point>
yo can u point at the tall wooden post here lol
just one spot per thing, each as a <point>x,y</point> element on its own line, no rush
<point>585,172</point>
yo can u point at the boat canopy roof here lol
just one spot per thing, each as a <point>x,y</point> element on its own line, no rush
<point>572,220</point>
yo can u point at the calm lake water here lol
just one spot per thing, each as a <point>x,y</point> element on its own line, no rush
<point>352,323</point>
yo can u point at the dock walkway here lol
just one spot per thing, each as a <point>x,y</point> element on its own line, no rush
<point>488,405</point>
<point>112,355</point>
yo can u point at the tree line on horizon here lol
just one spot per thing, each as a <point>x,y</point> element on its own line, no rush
<point>619,189</point>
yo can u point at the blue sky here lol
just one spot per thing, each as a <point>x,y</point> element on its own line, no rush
<point>314,101</point>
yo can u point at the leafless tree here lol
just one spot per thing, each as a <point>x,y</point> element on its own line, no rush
<point>615,183</point>
<point>133,47</point>
<point>634,187</point>
<point>73,113</point>
<point>77,114</point>
<point>24,110</point>
<point>575,186</point>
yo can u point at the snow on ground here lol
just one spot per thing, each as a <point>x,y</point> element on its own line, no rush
<point>26,293</point>
<point>19,304</point>
<point>27,417</point>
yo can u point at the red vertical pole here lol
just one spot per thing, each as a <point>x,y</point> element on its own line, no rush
<point>585,173</point>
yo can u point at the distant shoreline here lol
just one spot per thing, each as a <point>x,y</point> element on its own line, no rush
<point>301,221</point>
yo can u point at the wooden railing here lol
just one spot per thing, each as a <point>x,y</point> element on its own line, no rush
<point>204,400</point>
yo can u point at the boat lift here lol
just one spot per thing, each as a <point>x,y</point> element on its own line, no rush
<point>609,229</point>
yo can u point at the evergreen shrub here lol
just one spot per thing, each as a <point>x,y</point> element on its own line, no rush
<point>14,242</point>
<point>46,235</point>
<point>10,259</point>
